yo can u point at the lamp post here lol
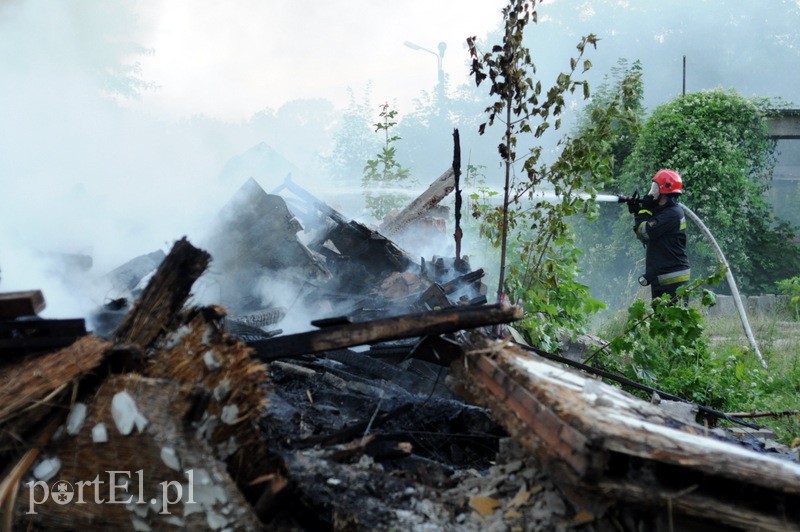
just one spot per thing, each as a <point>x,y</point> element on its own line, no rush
<point>439,57</point>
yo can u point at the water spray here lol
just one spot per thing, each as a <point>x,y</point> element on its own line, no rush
<point>610,198</point>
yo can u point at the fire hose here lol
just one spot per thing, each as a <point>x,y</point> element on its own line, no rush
<point>728,273</point>
<point>731,281</point>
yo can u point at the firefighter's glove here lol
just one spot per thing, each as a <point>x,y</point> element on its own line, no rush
<point>634,203</point>
<point>648,203</point>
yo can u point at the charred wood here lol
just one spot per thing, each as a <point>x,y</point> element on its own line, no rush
<point>32,387</point>
<point>457,185</point>
<point>407,326</point>
<point>16,304</point>
<point>127,277</point>
<point>159,446</point>
<point>159,305</point>
<point>29,335</point>
<point>589,434</point>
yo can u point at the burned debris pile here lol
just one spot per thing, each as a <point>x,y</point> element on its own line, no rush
<point>322,378</point>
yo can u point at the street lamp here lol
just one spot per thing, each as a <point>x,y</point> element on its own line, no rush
<point>439,56</point>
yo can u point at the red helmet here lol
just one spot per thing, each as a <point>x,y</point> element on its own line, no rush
<point>669,182</point>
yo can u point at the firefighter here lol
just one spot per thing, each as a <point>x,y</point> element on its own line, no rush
<point>661,226</point>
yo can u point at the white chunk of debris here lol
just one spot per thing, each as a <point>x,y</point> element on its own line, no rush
<point>139,525</point>
<point>215,521</point>
<point>190,508</point>
<point>124,412</point>
<point>75,419</point>
<point>176,521</point>
<point>333,482</point>
<point>227,448</point>
<point>99,433</point>
<point>229,414</point>
<point>222,390</point>
<point>47,469</point>
<point>140,421</point>
<point>139,509</point>
<point>170,458</point>
<point>200,477</point>
<point>220,494</point>
<point>208,335</point>
<point>156,504</point>
<point>211,360</point>
<point>205,496</point>
<point>176,337</point>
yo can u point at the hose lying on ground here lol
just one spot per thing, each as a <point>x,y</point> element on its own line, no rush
<point>731,282</point>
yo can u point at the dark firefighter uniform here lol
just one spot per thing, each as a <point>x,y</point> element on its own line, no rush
<point>662,229</point>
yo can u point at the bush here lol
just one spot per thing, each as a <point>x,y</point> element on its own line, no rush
<point>719,143</point>
<point>791,288</point>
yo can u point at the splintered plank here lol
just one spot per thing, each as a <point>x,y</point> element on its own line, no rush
<point>30,389</point>
<point>435,193</point>
<point>164,296</point>
<point>406,326</point>
<point>611,443</point>
<point>25,303</point>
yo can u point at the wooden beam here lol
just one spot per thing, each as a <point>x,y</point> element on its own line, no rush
<point>556,435</point>
<point>646,456</point>
<point>435,193</point>
<point>19,337</point>
<point>25,303</point>
<point>406,326</point>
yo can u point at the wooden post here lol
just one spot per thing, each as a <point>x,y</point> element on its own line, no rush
<point>457,178</point>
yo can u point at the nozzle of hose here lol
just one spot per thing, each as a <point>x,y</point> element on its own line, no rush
<point>628,199</point>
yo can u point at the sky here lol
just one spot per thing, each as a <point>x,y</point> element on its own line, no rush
<point>232,59</point>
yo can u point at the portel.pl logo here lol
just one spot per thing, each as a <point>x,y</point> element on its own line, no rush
<point>114,490</point>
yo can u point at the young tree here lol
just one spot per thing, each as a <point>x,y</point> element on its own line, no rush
<point>543,275</point>
<point>384,172</point>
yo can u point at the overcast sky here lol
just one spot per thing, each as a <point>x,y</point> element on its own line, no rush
<point>231,59</point>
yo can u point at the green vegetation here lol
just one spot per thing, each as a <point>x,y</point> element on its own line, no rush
<point>538,256</point>
<point>719,143</point>
<point>664,327</point>
<point>716,139</point>
<point>384,172</point>
<point>791,288</point>
<point>701,357</point>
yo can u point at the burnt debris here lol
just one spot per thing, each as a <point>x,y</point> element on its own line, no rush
<point>331,381</point>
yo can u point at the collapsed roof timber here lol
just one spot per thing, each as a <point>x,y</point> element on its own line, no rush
<point>402,413</point>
